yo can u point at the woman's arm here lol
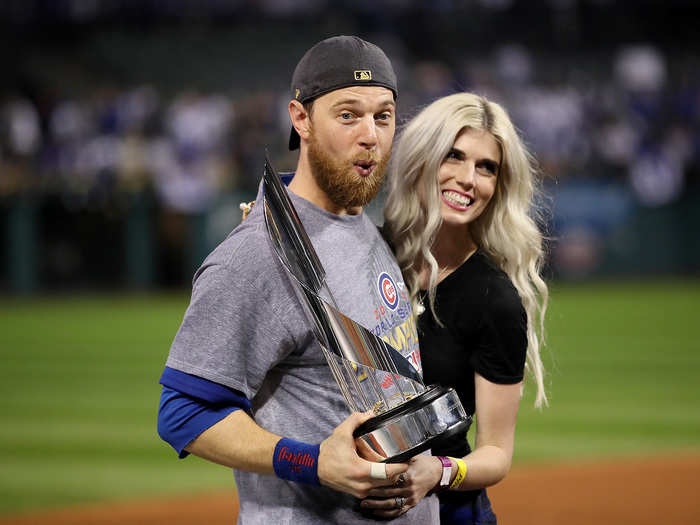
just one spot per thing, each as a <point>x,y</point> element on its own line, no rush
<point>496,410</point>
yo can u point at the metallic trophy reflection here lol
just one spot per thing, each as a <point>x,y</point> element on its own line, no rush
<point>370,373</point>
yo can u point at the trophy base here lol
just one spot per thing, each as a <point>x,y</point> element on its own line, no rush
<point>412,427</point>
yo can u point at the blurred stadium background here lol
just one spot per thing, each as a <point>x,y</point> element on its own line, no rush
<point>131,131</point>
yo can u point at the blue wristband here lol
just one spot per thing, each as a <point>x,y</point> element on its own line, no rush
<point>296,461</point>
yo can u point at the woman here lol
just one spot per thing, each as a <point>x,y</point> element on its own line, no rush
<point>459,216</point>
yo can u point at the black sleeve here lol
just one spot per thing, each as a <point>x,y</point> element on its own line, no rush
<point>501,348</point>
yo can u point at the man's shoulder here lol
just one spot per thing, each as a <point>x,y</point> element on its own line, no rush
<point>245,252</point>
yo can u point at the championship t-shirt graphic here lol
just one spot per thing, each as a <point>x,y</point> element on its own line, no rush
<point>395,323</point>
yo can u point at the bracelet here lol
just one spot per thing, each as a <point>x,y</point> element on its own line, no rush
<point>446,472</point>
<point>296,461</point>
<point>461,472</point>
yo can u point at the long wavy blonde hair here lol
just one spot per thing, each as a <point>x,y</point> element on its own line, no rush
<point>506,231</point>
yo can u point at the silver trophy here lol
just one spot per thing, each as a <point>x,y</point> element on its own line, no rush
<point>370,373</point>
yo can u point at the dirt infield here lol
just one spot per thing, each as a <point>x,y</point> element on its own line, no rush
<point>642,492</point>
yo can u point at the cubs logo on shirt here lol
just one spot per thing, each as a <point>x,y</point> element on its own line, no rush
<point>388,291</point>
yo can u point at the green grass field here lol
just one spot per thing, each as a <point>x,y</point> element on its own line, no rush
<point>79,392</point>
<point>623,362</point>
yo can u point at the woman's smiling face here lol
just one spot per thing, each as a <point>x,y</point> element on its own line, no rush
<point>468,177</point>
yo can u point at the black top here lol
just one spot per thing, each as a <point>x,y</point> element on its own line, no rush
<point>485,331</point>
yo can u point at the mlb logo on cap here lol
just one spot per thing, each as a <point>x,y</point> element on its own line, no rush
<point>363,74</point>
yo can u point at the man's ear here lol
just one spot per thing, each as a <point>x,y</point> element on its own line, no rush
<point>300,118</point>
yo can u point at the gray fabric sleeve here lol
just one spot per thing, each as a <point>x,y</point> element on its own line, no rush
<point>232,332</point>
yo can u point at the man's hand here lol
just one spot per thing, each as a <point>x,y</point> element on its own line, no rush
<point>342,469</point>
<point>423,475</point>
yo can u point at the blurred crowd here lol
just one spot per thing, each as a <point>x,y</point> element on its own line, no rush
<point>120,141</point>
<point>632,115</point>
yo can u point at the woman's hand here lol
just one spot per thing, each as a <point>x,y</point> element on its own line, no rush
<point>423,474</point>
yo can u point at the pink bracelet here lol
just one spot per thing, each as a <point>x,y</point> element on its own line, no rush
<point>446,473</point>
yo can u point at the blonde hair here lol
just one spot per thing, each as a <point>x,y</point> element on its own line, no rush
<point>506,231</point>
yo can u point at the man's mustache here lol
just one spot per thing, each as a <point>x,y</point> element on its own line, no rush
<point>366,158</point>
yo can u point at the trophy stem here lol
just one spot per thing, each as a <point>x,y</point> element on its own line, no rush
<point>339,379</point>
<point>352,373</point>
<point>380,395</point>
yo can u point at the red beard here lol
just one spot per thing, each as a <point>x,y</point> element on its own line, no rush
<point>339,180</point>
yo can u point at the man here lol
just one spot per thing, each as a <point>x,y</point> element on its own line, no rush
<point>244,368</point>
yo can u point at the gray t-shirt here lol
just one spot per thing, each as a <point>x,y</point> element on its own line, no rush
<point>245,328</point>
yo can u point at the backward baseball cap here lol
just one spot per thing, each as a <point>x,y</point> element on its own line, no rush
<point>336,63</point>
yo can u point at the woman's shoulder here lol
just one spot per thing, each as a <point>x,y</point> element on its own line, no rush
<point>499,292</point>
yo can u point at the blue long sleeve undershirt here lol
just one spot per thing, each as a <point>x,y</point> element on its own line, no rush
<point>189,405</point>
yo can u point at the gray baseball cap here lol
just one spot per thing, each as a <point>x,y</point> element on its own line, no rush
<point>336,63</point>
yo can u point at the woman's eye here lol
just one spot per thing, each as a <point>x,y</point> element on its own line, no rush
<point>491,167</point>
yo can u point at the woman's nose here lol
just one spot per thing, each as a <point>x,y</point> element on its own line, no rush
<point>465,174</point>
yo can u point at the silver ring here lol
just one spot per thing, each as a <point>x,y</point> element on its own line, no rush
<point>400,502</point>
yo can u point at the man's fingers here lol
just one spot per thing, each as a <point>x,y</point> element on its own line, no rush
<point>385,474</point>
<point>379,504</point>
<point>394,469</point>
<point>361,417</point>
<point>388,492</point>
<point>385,508</point>
<point>354,420</point>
